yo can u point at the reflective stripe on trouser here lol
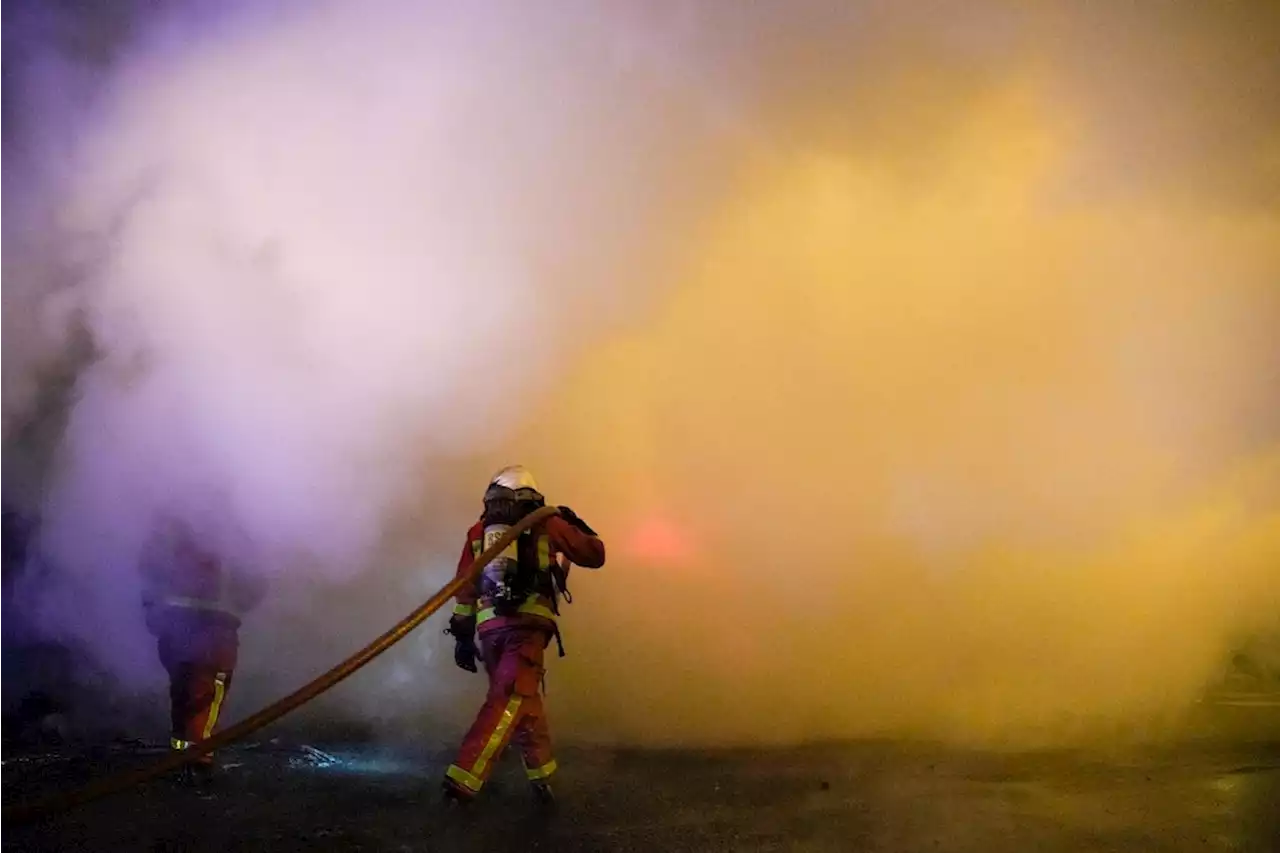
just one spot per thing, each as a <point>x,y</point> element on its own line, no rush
<point>198,650</point>
<point>522,717</point>
<point>219,692</point>
<point>537,774</point>
<point>512,709</point>
<point>470,772</point>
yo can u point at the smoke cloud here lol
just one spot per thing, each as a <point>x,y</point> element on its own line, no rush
<point>918,365</point>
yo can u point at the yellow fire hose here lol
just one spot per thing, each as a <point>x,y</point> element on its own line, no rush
<point>62,802</point>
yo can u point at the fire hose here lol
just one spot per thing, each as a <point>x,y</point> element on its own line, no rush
<point>61,802</point>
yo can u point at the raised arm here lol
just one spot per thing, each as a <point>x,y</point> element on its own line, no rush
<point>583,548</point>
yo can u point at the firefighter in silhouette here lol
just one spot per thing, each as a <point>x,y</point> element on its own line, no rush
<point>193,604</point>
<point>513,607</point>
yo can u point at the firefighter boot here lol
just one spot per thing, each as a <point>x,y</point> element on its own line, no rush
<point>543,795</point>
<point>198,774</point>
<point>453,797</point>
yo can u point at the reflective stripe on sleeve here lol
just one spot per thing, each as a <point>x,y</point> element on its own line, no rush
<point>198,604</point>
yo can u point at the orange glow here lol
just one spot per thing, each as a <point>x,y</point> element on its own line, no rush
<point>658,539</point>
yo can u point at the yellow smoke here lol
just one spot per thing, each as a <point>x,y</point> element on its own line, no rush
<point>925,440</point>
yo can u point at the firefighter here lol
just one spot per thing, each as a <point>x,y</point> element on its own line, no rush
<point>513,607</point>
<point>193,605</point>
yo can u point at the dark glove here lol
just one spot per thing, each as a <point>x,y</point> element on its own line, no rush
<point>572,517</point>
<point>464,655</point>
<point>463,629</point>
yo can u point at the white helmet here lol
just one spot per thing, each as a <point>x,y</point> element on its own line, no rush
<point>514,477</point>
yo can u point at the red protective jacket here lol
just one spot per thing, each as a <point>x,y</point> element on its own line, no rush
<point>177,573</point>
<point>547,540</point>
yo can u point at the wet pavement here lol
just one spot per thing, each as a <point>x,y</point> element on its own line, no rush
<point>872,796</point>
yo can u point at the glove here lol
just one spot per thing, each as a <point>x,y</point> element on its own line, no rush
<point>463,629</point>
<point>464,655</point>
<point>572,517</point>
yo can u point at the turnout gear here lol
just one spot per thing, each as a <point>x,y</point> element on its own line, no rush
<point>199,652</point>
<point>513,709</point>
<point>514,609</point>
<point>572,517</point>
<point>193,606</point>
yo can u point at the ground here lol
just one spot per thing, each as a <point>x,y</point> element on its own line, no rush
<point>1219,793</point>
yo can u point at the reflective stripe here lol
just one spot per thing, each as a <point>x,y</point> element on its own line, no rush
<point>463,778</point>
<point>542,772</point>
<point>198,604</point>
<point>531,606</point>
<point>499,734</point>
<point>537,609</point>
<point>219,690</point>
<point>176,743</point>
<point>464,610</point>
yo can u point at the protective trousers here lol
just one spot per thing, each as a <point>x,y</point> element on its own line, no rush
<point>199,654</point>
<point>512,708</point>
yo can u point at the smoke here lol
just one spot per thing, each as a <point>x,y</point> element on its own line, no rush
<point>323,253</point>
<point>962,419</point>
<point>918,365</point>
